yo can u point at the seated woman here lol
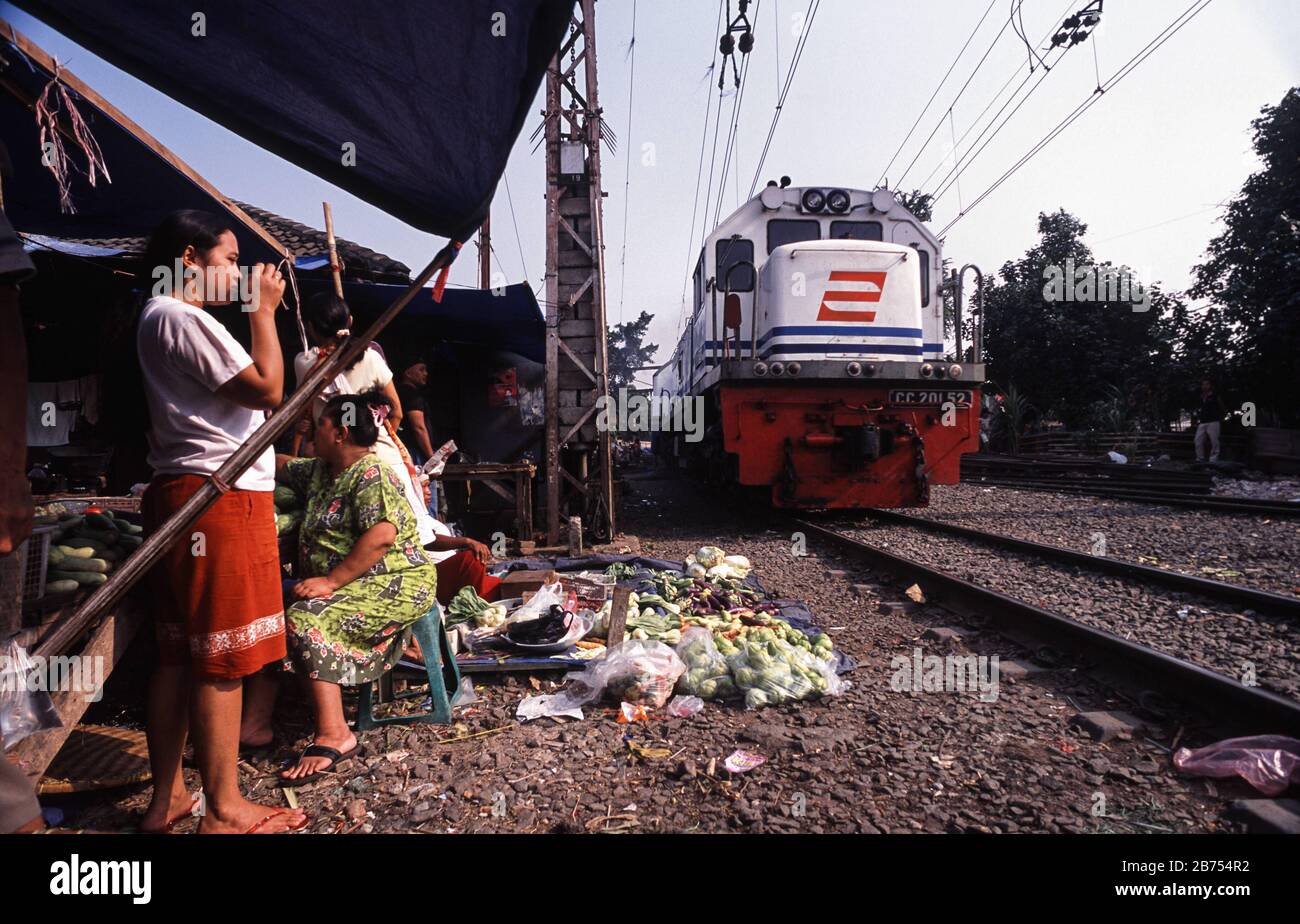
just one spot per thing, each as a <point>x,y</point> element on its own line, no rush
<point>366,579</point>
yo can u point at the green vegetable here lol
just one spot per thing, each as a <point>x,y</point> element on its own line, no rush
<point>61,587</point>
<point>80,577</point>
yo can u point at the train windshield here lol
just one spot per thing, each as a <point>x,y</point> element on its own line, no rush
<point>734,252</point>
<point>857,231</point>
<point>782,231</point>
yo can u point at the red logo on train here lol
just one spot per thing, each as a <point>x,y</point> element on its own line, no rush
<point>875,282</point>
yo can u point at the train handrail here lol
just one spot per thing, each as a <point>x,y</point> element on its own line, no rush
<point>753,308</point>
<point>978,344</point>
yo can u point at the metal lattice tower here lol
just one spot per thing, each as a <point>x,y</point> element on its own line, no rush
<point>579,477</point>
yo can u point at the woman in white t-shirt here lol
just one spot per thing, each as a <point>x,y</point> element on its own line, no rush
<point>328,324</point>
<point>217,602</point>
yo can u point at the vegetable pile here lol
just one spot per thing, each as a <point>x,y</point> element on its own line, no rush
<point>468,606</point>
<point>733,642</point>
<point>86,547</point>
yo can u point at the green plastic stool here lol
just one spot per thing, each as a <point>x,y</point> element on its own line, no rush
<point>439,665</point>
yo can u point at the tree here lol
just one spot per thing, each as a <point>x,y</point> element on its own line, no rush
<point>1062,351</point>
<point>1248,338</point>
<point>627,353</point>
<point>918,203</point>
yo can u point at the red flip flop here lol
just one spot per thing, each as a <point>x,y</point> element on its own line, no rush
<point>255,828</point>
<point>171,822</point>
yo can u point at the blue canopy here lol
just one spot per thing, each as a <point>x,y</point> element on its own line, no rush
<point>411,105</point>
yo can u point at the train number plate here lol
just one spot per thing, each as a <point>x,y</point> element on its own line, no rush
<point>913,397</point>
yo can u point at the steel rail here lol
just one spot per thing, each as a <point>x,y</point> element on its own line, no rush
<point>1245,709</point>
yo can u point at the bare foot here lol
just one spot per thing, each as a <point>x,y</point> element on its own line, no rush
<point>306,766</point>
<point>245,816</point>
<point>158,816</point>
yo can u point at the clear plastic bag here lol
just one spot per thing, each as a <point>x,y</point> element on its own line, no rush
<point>1270,763</point>
<point>707,674</point>
<point>635,671</point>
<point>682,707</point>
<point>772,672</point>
<point>546,597</point>
<point>23,711</point>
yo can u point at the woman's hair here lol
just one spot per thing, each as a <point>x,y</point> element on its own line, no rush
<point>324,315</point>
<point>358,413</point>
<point>177,231</point>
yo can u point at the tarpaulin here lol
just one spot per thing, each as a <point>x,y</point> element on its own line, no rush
<point>411,105</point>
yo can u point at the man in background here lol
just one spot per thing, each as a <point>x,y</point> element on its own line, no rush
<point>1209,422</point>
<point>415,411</point>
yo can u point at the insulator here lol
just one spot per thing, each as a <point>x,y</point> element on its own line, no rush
<point>1071,22</point>
<point>1059,38</point>
<point>727,44</point>
<point>746,42</point>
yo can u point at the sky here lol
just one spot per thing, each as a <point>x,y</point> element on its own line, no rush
<point>1146,167</point>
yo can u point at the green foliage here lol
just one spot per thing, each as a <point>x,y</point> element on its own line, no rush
<point>1248,337</point>
<point>627,353</point>
<point>918,203</point>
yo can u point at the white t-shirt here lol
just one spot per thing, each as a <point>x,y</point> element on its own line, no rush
<point>186,355</point>
<point>369,373</point>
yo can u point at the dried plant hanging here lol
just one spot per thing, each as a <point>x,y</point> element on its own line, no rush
<point>53,102</point>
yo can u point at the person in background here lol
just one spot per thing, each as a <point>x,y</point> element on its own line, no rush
<point>1209,423</point>
<point>415,433</point>
<point>328,323</point>
<point>20,813</point>
<point>217,601</point>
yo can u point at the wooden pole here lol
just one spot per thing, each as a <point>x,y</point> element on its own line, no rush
<point>137,565</point>
<point>335,268</point>
<point>485,252</point>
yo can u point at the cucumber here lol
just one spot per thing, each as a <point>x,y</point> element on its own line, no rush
<point>61,587</point>
<point>103,537</point>
<point>122,526</point>
<point>83,564</point>
<point>45,521</point>
<point>99,521</point>
<point>80,577</point>
<point>130,543</point>
<point>69,520</point>
<point>74,551</point>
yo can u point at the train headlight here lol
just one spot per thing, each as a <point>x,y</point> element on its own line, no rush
<point>793,368</point>
<point>927,370</point>
<point>813,200</point>
<point>869,369</point>
<point>777,368</point>
<point>853,368</point>
<point>954,371</point>
<point>760,368</point>
<point>940,372</point>
<point>837,200</point>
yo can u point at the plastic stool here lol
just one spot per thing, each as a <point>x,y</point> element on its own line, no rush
<point>439,665</point>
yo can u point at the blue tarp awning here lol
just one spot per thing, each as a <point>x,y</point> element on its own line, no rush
<point>410,105</point>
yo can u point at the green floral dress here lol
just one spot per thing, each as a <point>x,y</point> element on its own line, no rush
<point>358,632</point>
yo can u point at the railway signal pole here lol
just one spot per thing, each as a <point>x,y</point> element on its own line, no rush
<point>579,476</point>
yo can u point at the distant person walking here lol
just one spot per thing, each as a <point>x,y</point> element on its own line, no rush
<point>1209,421</point>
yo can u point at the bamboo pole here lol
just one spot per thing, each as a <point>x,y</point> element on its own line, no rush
<point>335,268</point>
<point>133,568</point>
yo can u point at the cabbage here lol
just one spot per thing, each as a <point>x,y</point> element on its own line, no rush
<point>709,555</point>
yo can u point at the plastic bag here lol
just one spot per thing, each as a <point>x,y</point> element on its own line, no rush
<point>635,671</point>
<point>771,672</point>
<point>552,705</point>
<point>23,711</point>
<point>546,597</point>
<point>707,674</point>
<point>1270,763</point>
<point>682,707</point>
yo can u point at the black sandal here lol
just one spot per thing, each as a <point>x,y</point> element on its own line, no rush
<point>336,758</point>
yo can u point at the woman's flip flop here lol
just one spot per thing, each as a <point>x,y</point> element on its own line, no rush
<point>334,757</point>
<point>255,829</point>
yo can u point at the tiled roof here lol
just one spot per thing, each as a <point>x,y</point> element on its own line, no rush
<point>359,263</point>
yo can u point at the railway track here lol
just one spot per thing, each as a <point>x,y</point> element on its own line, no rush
<point>1172,499</point>
<point>1237,707</point>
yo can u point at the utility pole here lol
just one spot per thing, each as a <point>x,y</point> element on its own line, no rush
<point>485,251</point>
<point>579,476</point>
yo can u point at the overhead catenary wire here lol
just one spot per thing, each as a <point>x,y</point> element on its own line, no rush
<point>519,241</point>
<point>699,175</point>
<point>1127,68</point>
<point>733,134</point>
<point>926,107</point>
<point>627,162</point>
<point>784,90</point>
<point>996,96</point>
